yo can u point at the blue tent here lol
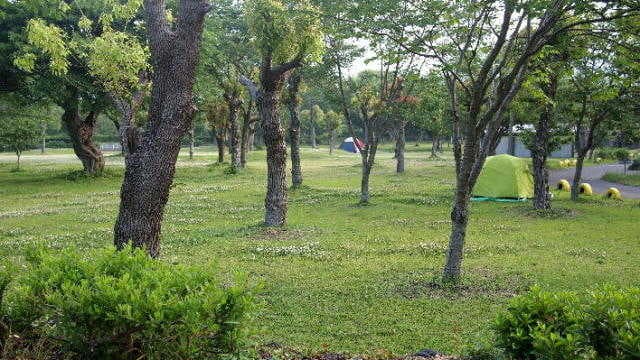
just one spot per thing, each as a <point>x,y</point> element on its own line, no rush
<point>350,146</point>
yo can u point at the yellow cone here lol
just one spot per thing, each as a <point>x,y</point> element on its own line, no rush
<point>585,189</point>
<point>613,193</point>
<point>564,185</point>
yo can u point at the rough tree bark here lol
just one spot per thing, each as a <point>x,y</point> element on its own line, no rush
<point>221,135</point>
<point>293,103</point>
<point>540,148</point>
<point>149,170</point>
<point>234,102</point>
<point>80,131</point>
<point>246,133</point>
<point>400,146</point>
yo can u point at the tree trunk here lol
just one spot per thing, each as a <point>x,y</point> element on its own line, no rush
<point>234,133</point>
<point>149,171</point>
<point>248,124</point>
<point>191,143</point>
<point>332,134</point>
<point>220,143</point>
<point>81,133</point>
<point>18,153</point>
<point>314,144</point>
<point>276,198</point>
<point>577,176</point>
<point>459,221</point>
<point>293,103</point>
<point>400,147</point>
<point>434,147</point>
<point>43,145</point>
<point>540,148</point>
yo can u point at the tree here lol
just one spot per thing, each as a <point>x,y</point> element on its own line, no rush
<point>333,122</point>
<point>316,118</point>
<point>150,168</point>
<point>216,114</point>
<point>286,34</point>
<point>72,45</point>
<point>484,55</point>
<point>19,128</point>
<point>432,110</point>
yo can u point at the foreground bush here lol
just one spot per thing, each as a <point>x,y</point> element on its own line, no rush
<point>604,324</point>
<point>121,305</point>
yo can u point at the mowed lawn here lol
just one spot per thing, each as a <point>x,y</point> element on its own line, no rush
<point>341,276</point>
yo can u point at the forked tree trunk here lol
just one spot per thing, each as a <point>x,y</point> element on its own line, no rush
<point>540,148</point>
<point>81,131</point>
<point>276,198</point>
<point>577,176</point>
<point>400,146</point>
<point>293,103</point>
<point>149,171</point>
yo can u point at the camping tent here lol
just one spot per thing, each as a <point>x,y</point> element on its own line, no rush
<point>351,146</point>
<point>504,176</point>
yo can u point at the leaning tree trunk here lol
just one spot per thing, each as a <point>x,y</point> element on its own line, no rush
<point>577,176</point>
<point>293,103</point>
<point>276,198</point>
<point>81,131</point>
<point>400,146</point>
<point>149,171</point>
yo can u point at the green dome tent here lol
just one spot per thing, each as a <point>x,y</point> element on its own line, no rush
<point>504,177</point>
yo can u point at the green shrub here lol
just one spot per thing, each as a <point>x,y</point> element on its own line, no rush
<point>613,153</point>
<point>124,305</point>
<point>604,324</point>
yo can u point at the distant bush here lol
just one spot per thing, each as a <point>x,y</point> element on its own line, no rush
<point>635,165</point>
<point>613,153</point>
<point>604,324</point>
<point>122,305</point>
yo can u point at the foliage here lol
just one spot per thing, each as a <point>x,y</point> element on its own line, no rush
<point>613,153</point>
<point>285,29</point>
<point>19,129</point>
<point>123,305</point>
<point>602,324</point>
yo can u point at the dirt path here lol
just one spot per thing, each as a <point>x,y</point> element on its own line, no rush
<point>593,175</point>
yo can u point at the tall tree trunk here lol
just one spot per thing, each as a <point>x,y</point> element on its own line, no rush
<point>81,131</point>
<point>540,148</point>
<point>234,133</point>
<point>293,103</point>
<point>276,198</point>
<point>400,146</point>
<point>459,222</point>
<point>149,171</point>
<point>248,125</point>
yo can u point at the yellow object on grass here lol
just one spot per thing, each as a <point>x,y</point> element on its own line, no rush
<point>613,193</point>
<point>585,189</point>
<point>564,185</point>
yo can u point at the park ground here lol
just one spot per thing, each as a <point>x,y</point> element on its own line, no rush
<point>340,277</point>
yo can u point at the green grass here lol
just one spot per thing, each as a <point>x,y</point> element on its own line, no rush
<point>341,276</point>
<point>628,179</point>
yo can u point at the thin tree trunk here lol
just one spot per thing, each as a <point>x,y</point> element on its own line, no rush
<point>43,144</point>
<point>293,103</point>
<point>276,198</point>
<point>191,143</point>
<point>332,134</point>
<point>577,176</point>
<point>149,171</point>
<point>364,183</point>
<point>400,146</point>
<point>247,124</point>
<point>18,153</point>
<point>81,133</point>
<point>434,147</point>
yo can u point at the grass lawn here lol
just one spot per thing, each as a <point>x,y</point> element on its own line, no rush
<point>341,276</point>
<point>629,179</point>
